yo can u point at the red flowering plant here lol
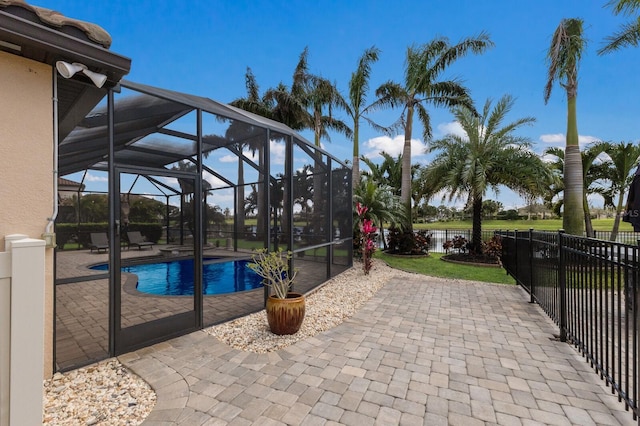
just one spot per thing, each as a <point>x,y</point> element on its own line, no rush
<point>368,237</point>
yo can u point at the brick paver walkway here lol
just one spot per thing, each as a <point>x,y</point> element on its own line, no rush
<point>422,352</point>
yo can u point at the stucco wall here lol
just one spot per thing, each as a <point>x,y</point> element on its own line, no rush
<point>26,162</point>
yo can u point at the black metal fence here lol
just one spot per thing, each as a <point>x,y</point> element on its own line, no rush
<point>440,236</point>
<point>589,288</point>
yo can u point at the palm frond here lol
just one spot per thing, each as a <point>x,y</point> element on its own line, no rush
<point>563,56</point>
<point>625,7</point>
<point>627,36</point>
<point>359,82</point>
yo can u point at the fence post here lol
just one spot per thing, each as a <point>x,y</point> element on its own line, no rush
<point>531,287</point>
<point>27,330</point>
<point>562,281</point>
<point>515,247</point>
<point>5,335</point>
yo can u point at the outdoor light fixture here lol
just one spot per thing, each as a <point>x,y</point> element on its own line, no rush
<point>68,70</point>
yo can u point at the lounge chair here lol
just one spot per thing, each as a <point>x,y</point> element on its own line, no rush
<point>99,241</point>
<point>136,239</point>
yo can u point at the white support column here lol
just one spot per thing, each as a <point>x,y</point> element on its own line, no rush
<point>27,329</point>
<point>5,335</point>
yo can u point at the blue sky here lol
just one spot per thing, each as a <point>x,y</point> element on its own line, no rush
<point>204,47</point>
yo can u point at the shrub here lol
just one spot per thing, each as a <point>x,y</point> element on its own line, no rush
<point>407,242</point>
<point>460,243</point>
<point>493,248</point>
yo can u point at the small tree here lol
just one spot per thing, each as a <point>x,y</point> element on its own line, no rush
<point>368,237</point>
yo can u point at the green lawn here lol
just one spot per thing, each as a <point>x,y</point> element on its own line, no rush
<point>433,266</point>
<point>539,225</point>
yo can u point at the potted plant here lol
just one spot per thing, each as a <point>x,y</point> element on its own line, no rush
<point>285,309</point>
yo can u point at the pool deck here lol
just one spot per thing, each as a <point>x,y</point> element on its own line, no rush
<point>422,351</point>
<point>82,308</point>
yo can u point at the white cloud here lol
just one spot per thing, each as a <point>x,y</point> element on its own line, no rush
<point>93,178</point>
<point>559,139</point>
<point>277,152</point>
<point>585,140</point>
<point>392,146</point>
<point>555,138</point>
<point>214,181</point>
<point>232,158</point>
<point>451,128</point>
<point>171,181</point>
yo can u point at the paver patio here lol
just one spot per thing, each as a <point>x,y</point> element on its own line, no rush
<point>423,351</point>
<point>82,308</point>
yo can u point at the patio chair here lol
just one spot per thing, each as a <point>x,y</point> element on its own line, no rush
<point>99,241</point>
<point>136,239</point>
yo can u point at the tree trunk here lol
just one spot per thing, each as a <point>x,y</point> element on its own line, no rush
<point>355,170</point>
<point>476,233</point>
<point>573,217</point>
<point>616,221</point>
<point>587,218</point>
<point>318,221</point>
<point>405,187</point>
<point>262,215</point>
<point>239,213</point>
<point>355,174</point>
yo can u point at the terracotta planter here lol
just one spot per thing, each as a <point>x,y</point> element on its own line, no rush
<point>285,315</point>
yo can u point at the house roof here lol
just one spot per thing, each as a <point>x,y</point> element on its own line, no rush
<point>47,36</point>
<point>58,21</point>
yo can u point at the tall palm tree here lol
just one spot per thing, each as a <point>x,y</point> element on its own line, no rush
<point>592,172</point>
<point>309,104</point>
<point>355,108</point>
<point>624,158</point>
<point>321,98</point>
<point>629,33</point>
<point>263,106</point>
<point>422,85</point>
<point>290,105</point>
<point>488,155</point>
<point>563,58</point>
<point>253,102</point>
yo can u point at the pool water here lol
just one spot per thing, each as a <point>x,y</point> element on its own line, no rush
<point>175,278</point>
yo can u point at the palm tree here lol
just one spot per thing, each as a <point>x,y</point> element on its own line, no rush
<point>358,88</point>
<point>487,156</point>
<point>321,98</point>
<point>592,171</point>
<point>629,33</point>
<point>389,172</point>
<point>253,102</point>
<point>384,206</point>
<point>624,157</point>
<point>563,58</point>
<point>424,66</point>
<point>289,104</point>
<point>309,103</point>
<point>263,106</point>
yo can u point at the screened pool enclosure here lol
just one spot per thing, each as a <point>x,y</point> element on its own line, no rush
<point>196,179</point>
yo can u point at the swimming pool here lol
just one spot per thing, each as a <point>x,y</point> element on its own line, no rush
<point>175,277</point>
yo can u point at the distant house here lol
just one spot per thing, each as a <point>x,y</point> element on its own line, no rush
<point>535,210</point>
<point>68,188</point>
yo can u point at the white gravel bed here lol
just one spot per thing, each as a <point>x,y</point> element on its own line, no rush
<point>107,393</point>
<point>326,307</point>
